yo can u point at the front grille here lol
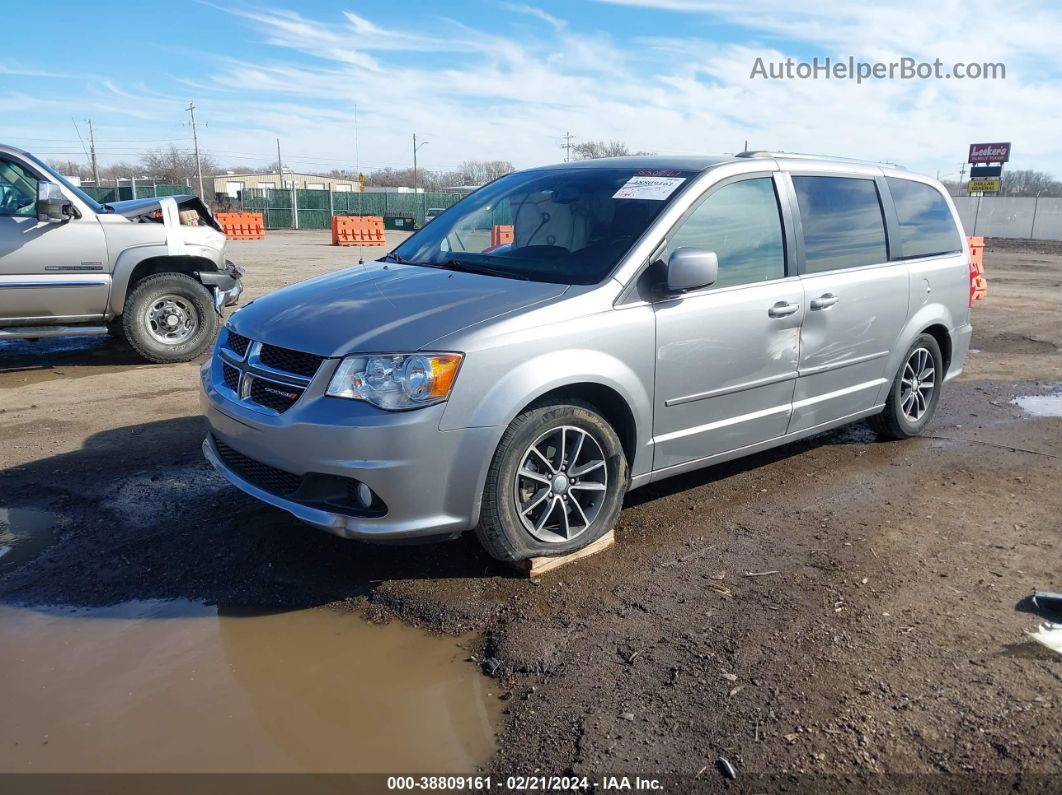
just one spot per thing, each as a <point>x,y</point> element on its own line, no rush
<point>237,343</point>
<point>231,376</point>
<point>304,364</point>
<point>272,395</point>
<point>273,480</point>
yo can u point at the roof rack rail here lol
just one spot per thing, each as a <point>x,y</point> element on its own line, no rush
<point>761,153</point>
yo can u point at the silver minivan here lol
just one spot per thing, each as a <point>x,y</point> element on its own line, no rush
<point>649,316</point>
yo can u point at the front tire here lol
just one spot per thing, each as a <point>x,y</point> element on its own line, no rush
<point>555,484</point>
<point>169,318</point>
<point>915,392</point>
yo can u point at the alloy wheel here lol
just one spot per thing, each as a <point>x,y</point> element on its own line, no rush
<point>917,384</point>
<point>561,484</point>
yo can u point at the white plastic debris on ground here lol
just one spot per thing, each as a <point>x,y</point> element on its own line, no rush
<point>1048,634</point>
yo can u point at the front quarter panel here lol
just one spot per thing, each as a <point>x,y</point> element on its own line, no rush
<point>582,340</point>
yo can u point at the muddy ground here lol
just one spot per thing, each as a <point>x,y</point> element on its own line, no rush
<point>837,613</point>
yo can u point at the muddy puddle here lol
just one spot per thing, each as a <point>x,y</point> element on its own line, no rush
<point>159,686</point>
<point>24,534</point>
<point>1041,405</point>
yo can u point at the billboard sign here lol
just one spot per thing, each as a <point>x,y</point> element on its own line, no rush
<point>983,172</point>
<point>985,185</point>
<point>989,153</point>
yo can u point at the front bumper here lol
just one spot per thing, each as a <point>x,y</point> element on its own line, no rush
<point>429,480</point>
<point>227,285</point>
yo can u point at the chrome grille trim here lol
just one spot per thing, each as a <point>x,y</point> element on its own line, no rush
<point>251,370</point>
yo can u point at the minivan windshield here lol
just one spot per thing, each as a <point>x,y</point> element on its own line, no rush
<point>564,225</point>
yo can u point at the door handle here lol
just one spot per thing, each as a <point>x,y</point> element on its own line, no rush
<point>824,301</point>
<point>782,309</point>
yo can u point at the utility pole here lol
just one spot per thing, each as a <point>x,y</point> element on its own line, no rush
<point>567,147</point>
<point>962,176</point>
<point>92,149</point>
<point>195,140</point>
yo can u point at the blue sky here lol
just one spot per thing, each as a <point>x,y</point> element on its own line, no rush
<point>504,80</point>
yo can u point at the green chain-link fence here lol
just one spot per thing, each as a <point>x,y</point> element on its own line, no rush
<point>316,207</point>
<point>144,190</point>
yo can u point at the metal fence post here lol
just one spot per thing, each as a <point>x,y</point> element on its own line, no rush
<point>1032,226</point>
<point>977,212</point>
<point>294,207</point>
<point>132,185</point>
<point>331,202</point>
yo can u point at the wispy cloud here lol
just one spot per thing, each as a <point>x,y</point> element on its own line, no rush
<point>534,11</point>
<point>509,88</point>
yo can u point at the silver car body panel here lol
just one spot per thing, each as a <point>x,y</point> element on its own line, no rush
<point>706,376</point>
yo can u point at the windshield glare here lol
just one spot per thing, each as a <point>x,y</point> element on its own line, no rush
<point>569,226</point>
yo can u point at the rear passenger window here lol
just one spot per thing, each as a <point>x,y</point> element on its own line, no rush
<point>741,224</point>
<point>842,222</point>
<point>926,223</point>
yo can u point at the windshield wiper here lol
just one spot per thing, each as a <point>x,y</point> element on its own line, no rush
<point>470,267</point>
<point>393,257</point>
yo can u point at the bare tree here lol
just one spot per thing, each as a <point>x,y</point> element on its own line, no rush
<point>170,164</point>
<point>591,150</point>
<point>71,168</point>
<point>1026,182</point>
<point>480,172</point>
<point>1015,183</point>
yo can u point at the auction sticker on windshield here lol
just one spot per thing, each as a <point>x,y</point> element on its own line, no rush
<point>658,188</point>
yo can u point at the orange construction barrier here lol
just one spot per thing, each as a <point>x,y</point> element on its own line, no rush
<point>978,282</point>
<point>358,230</point>
<point>242,226</point>
<point>500,234</point>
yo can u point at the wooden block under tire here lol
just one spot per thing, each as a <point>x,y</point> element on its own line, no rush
<point>533,567</point>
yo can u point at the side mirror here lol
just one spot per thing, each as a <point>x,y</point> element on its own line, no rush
<point>691,268</point>
<point>52,206</point>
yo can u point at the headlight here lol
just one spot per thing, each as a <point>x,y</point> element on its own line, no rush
<point>396,381</point>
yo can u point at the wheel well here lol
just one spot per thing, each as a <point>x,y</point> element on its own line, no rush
<point>168,264</point>
<point>609,403</point>
<point>943,338</point>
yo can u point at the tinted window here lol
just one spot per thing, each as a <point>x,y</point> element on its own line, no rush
<point>926,224</point>
<point>842,221</point>
<point>18,190</point>
<point>741,224</point>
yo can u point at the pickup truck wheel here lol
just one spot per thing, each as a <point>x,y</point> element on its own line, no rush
<point>555,484</point>
<point>169,318</point>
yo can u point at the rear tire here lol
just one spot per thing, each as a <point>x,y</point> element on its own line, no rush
<point>169,318</point>
<point>915,392</point>
<point>583,498</point>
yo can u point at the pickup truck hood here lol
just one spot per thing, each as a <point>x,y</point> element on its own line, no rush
<point>134,208</point>
<point>380,307</point>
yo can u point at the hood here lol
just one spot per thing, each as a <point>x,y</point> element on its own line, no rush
<point>134,208</point>
<point>380,307</point>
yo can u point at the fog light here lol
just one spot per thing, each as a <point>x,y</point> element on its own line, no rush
<point>364,495</point>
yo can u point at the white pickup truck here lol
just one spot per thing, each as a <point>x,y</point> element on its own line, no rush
<point>150,270</point>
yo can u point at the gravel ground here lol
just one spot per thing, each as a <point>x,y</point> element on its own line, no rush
<point>835,614</point>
